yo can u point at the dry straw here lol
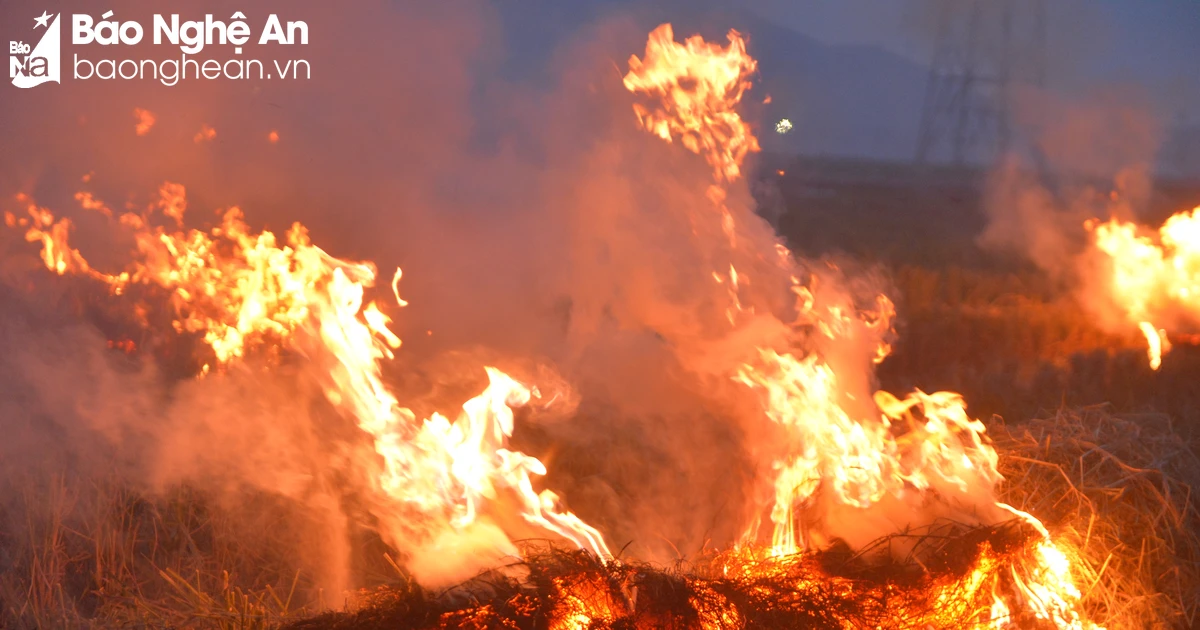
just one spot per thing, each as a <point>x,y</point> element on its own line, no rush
<point>1118,490</point>
<point>1114,490</point>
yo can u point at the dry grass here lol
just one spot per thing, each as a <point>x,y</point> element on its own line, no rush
<point>1115,488</point>
<point>1014,346</point>
<point>96,554</point>
<point>1118,489</point>
<point>1115,491</point>
<point>84,553</point>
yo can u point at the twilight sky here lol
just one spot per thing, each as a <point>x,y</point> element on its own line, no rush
<point>852,73</point>
<point>1153,44</point>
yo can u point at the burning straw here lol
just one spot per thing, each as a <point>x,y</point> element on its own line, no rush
<point>1115,489</point>
<point>952,588</point>
<point>572,589</point>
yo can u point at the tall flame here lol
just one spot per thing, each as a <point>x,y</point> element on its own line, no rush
<point>696,87</point>
<point>923,448</point>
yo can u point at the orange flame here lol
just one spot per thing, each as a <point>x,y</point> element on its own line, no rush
<point>1154,277</point>
<point>923,448</point>
<point>696,87</point>
<point>240,289</point>
<point>145,121</point>
<point>205,134</point>
<point>88,202</point>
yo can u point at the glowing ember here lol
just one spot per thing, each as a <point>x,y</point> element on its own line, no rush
<point>88,202</point>
<point>205,134</point>
<point>145,121</point>
<point>783,126</point>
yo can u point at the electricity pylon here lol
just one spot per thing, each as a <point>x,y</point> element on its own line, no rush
<point>983,48</point>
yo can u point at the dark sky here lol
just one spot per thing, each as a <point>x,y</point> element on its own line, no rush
<point>851,74</point>
<point>1154,44</point>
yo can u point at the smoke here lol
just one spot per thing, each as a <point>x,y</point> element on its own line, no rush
<point>519,229</point>
<point>1089,158</point>
<point>382,124</point>
<point>539,230</point>
<point>76,411</point>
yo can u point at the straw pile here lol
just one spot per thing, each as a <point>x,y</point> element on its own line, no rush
<point>834,590</point>
<point>1118,489</point>
<point>1113,489</point>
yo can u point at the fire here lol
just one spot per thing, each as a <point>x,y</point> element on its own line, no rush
<point>696,86</point>
<point>840,456</point>
<point>1048,588</point>
<point>145,121</point>
<point>585,602</point>
<point>89,202</point>
<point>1152,277</point>
<point>241,290</point>
<point>205,134</point>
<point>861,461</point>
<point>57,254</point>
<point>124,345</point>
<point>1156,343</point>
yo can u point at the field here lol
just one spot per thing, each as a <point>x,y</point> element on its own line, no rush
<point>998,330</point>
<point>76,550</point>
